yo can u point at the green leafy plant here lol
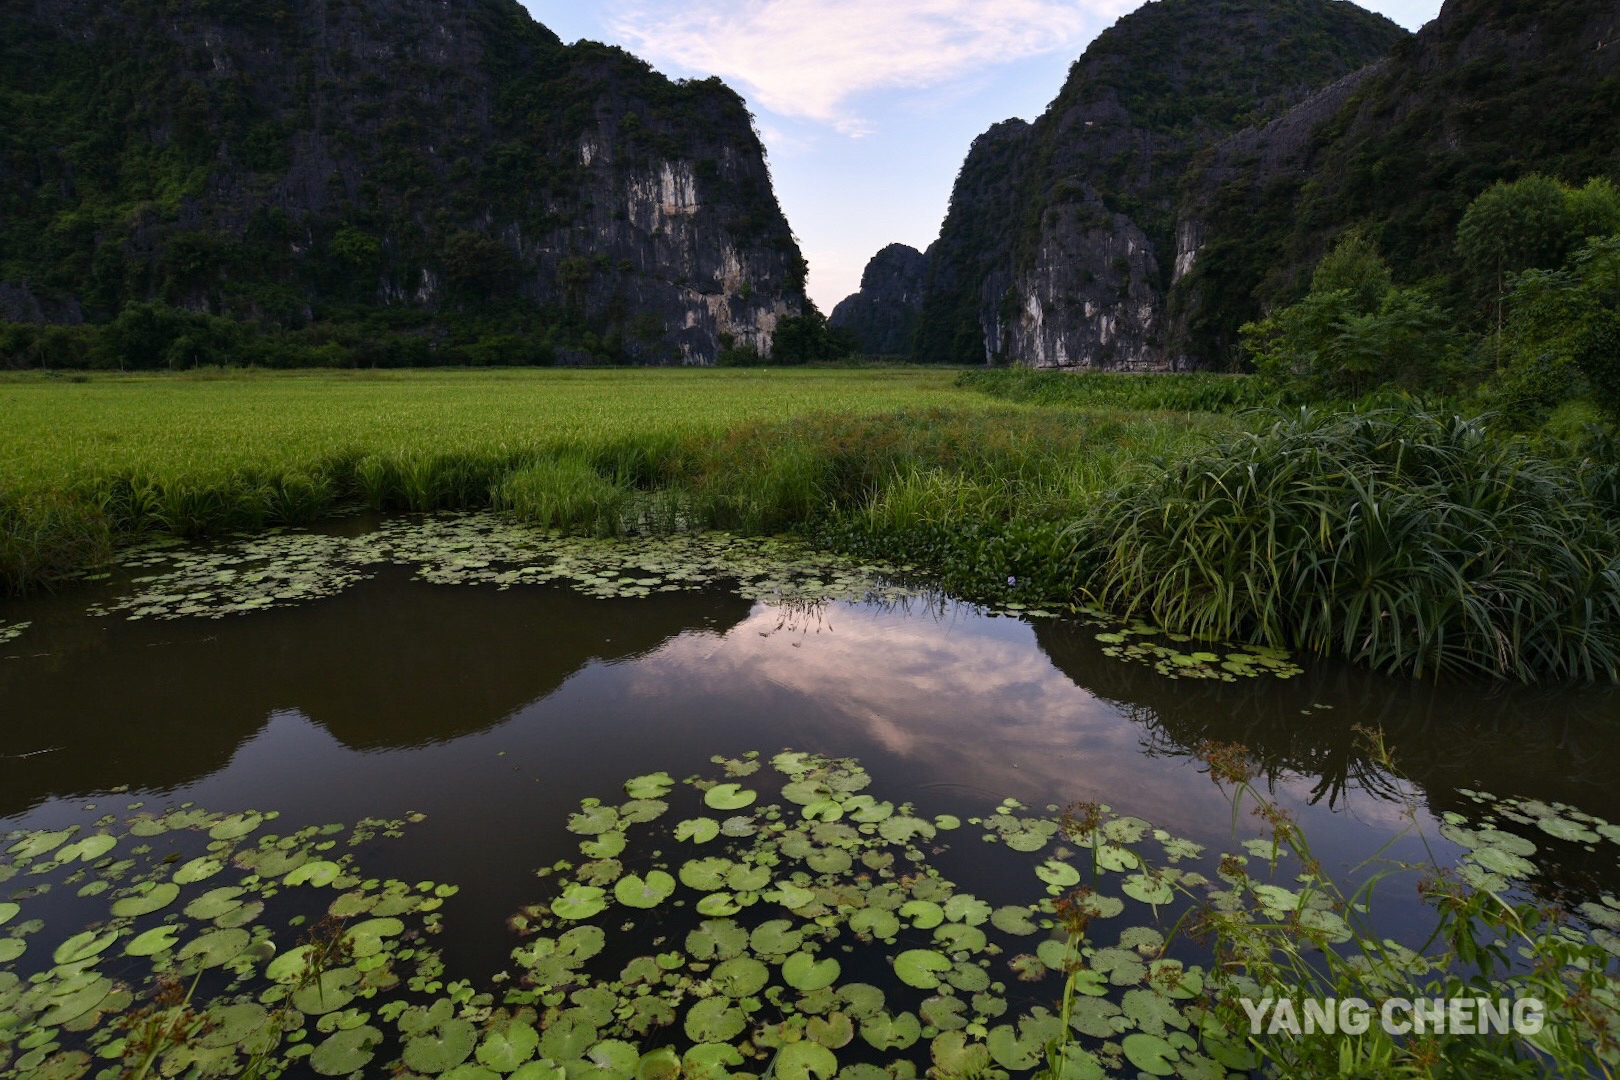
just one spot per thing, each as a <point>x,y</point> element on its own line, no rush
<point>1391,537</point>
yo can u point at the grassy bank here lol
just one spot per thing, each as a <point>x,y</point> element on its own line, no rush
<point>1412,542</point>
<point>881,453</point>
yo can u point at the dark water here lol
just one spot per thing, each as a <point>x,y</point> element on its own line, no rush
<point>495,713</point>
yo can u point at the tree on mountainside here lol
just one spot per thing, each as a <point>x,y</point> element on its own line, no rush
<point>1532,223</point>
<point>1354,332</point>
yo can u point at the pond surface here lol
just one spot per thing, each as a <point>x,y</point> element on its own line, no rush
<point>494,705</point>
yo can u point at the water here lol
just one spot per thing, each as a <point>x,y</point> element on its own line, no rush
<point>495,712</point>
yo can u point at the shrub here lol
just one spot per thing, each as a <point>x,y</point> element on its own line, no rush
<point>1395,538</point>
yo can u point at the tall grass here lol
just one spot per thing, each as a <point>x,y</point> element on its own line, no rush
<point>48,538</point>
<point>565,493</point>
<point>1181,392</point>
<point>1394,538</point>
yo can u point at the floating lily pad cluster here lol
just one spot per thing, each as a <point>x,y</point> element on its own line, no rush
<point>1166,653</point>
<point>774,919</point>
<point>788,922</point>
<point>12,631</point>
<point>183,970</point>
<point>288,567</point>
<point>1496,859</point>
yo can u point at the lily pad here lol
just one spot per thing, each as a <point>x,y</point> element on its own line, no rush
<point>1151,1053</point>
<point>594,821</point>
<point>40,843</point>
<point>216,948</point>
<point>718,905</point>
<point>740,977</point>
<point>801,1060</point>
<point>68,1008</point>
<point>442,1049</point>
<point>84,946</point>
<point>1058,874</point>
<point>88,849</point>
<point>579,902</point>
<point>368,938</point>
<point>651,786</point>
<point>886,1032</point>
<point>319,873</point>
<point>924,914</point>
<point>648,892</point>
<point>729,797</point>
<point>197,870</point>
<point>714,1020</point>
<point>717,940</point>
<point>1013,920</point>
<point>705,875</point>
<point>802,971</point>
<point>698,830</point>
<point>145,900</point>
<point>216,902</point>
<point>921,967</point>
<point>156,940</point>
<point>346,1052</point>
<point>508,1046</point>
<point>778,937</point>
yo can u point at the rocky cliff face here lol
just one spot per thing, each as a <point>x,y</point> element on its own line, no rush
<point>413,161</point>
<point>883,315</point>
<point>1057,250</point>
<point>1490,90</point>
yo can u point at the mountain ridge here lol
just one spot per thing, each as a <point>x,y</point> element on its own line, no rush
<point>1057,248</point>
<point>435,171</point>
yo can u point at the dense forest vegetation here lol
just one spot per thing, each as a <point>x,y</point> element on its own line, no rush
<point>1491,91</point>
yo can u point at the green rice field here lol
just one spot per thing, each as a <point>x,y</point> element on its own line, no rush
<point>57,433</point>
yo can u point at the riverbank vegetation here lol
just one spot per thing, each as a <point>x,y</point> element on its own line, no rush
<point>1395,536</point>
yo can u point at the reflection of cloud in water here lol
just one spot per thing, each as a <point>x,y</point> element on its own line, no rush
<point>960,696</point>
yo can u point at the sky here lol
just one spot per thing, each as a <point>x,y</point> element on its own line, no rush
<point>867,107</point>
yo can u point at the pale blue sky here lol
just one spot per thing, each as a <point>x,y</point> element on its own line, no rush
<point>867,107</point>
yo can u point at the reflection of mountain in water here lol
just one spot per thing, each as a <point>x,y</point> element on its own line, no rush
<point>1556,744</point>
<point>386,665</point>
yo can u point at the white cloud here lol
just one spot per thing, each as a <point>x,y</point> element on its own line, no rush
<point>813,58</point>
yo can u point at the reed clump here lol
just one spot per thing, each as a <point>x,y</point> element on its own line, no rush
<point>565,493</point>
<point>48,538</point>
<point>1395,538</point>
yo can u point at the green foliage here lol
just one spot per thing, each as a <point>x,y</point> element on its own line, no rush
<point>49,538</point>
<point>146,336</point>
<point>1312,941</point>
<point>1598,356</point>
<point>564,493</point>
<point>1487,94</point>
<point>1556,341</point>
<point>1393,538</point>
<point>1354,268</point>
<point>1512,227</point>
<point>355,248</point>
<point>1187,392</point>
<point>806,337</point>
<point>1594,210</point>
<point>1354,332</point>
